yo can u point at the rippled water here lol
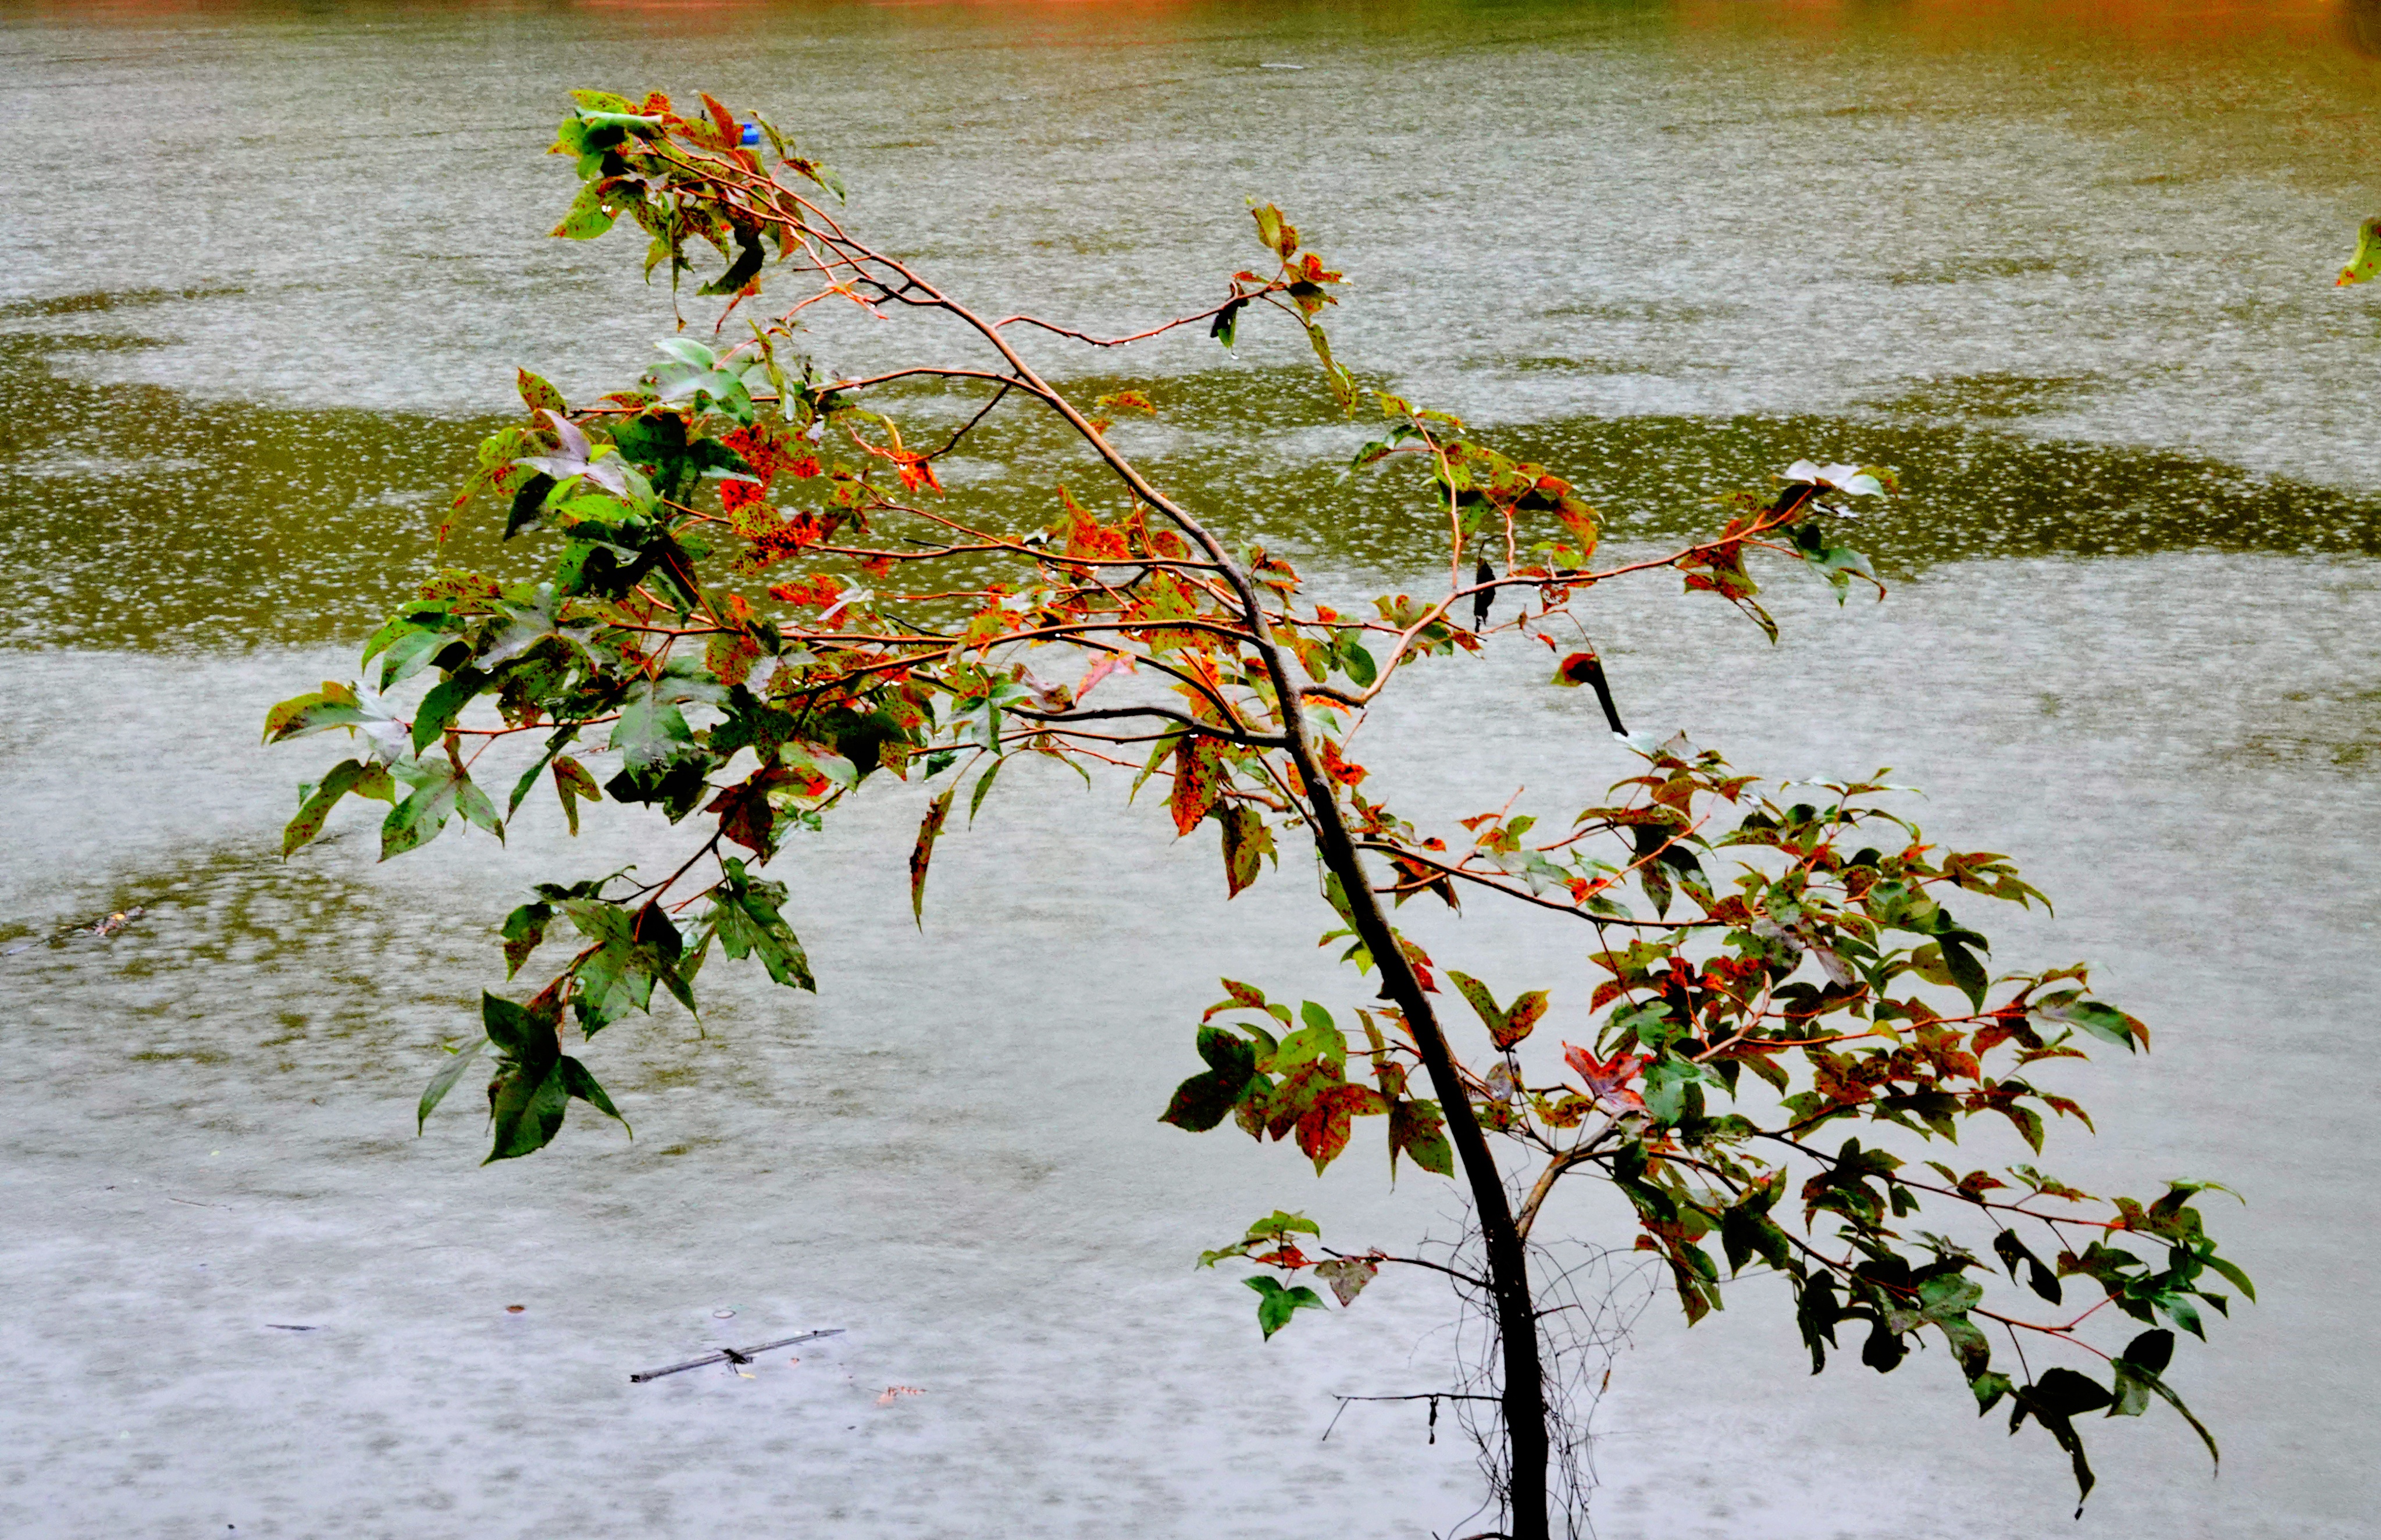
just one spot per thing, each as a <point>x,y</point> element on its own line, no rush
<point>2069,270</point>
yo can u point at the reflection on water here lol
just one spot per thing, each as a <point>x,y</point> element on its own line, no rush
<point>2066,266</point>
<point>163,519</point>
<point>141,517</point>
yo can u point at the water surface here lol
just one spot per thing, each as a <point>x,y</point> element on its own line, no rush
<point>2069,271</point>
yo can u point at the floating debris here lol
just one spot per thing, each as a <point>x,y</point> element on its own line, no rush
<point>733,1355</point>
<point>891,1391</point>
<point>102,929</point>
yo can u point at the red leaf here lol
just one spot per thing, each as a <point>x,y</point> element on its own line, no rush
<point>1606,1079</point>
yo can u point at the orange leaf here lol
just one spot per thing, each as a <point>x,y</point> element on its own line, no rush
<point>1198,780</point>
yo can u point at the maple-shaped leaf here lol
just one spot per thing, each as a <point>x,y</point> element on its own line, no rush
<point>1608,1080</point>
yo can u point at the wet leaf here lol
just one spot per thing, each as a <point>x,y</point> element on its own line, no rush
<point>573,784</point>
<point>1347,1276</point>
<point>923,852</point>
<point>1275,1304</point>
<point>1198,780</point>
<point>1201,1102</point>
<point>365,778</point>
<point>444,1082</point>
<point>2365,264</point>
<point>745,912</point>
<point>1247,841</point>
<point>1419,1129</point>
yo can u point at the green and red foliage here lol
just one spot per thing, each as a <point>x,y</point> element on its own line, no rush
<point>761,597</point>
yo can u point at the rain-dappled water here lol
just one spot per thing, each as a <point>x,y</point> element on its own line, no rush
<point>267,274</point>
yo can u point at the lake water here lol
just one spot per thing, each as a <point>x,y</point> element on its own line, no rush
<point>265,275</point>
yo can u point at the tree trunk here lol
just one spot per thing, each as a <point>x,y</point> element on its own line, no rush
<point>1508,1273</point>
<point>1509,1268</point>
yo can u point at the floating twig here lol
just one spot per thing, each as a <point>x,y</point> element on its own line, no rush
<point>101,928</point>
<point>732,1355</point>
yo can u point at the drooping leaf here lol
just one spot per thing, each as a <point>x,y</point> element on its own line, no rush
<point>1201,1102</point>
<point>573,784</point>
<point>2056,1400</point>
<point>744,910</point>
<point>579,1082</point>
<point>527,1097</point>
<point>1347,1276</point>
<point>2365,264</point>
<point>1419,1129</point>
<point>444,1082</point>
<point>524,931</point>
<point>1275,1304</point>
<point>1247,841</point>
<point>1198,780</point>
<point>923,852</point>
<point>365,778</point>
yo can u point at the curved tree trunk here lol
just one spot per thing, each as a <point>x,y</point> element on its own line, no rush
<point>1509,1268</point>
<point>1524,1400</point>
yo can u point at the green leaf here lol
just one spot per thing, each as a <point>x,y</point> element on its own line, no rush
<point>1203,1100</point>
<point>2239,1280</point>
<point>2365,265</point>
<point>2105,1023</point>
<point>1280,1224</point>
<point>2137,1375</point>
<point>1418,1129</point>
<point>410,651</point>
<point>659,762</point>
<point>923,853</point>
<point>587,217</point>
<point>524,931</point>
<point>1247,842</point>
<point>444,1082</point>
<point>526,1104</point>
<point>439,784</point>
<point>527,1097</point>
<point>2055,1401</point>
<point>444,703</point>
<point>742,271</point>
<point>577,1081</point>
<point>334,705</point>
<point>984,786</point>
<point>572,783</point>
<point>554,746</point>
<point>1506,1028</point>
<point>1227,323</point>
<point>365,778</point>
<point>744,913</point>
<point>537,393</point>
<point>473,804</point>
<point>1275,1304</point>
<point>1356,662</point>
